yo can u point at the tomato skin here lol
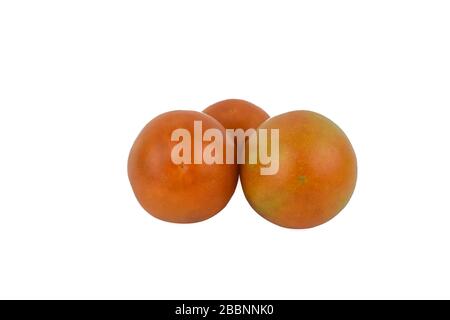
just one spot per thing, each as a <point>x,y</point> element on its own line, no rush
<point>316,177</point>
<point>183,193</point>
<point>237,114</point>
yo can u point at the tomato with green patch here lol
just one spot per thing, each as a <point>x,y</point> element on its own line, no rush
<point>316,176</point>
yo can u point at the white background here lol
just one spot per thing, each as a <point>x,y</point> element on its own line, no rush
<point>79,79</point>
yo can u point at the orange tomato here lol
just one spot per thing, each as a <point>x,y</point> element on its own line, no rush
<point>237,114</point>
<point>185,192</point>
<point>316,176</point>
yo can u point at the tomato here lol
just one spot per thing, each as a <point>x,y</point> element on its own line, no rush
<point>185,192</point>
<point>316,176</point>
<point>237,114</point>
